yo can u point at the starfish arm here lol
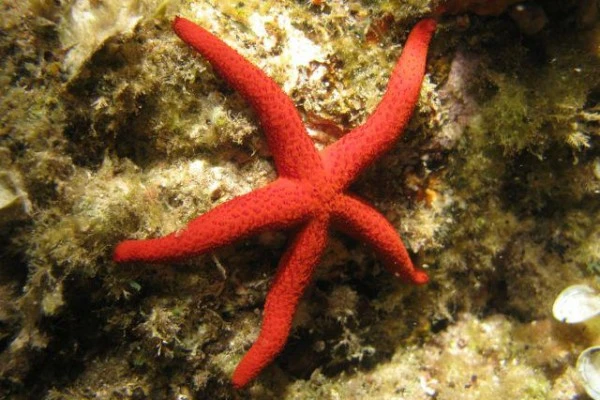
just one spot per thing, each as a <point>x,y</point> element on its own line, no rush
<point>293,275</point>
<point>244,216</point>
<point>347,157</point>
<point>293,152</point>
<point>356,218</point>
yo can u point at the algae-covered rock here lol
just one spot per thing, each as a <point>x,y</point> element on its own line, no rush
<point>111,128</point>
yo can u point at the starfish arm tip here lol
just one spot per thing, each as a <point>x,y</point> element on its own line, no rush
<point>419,277</point>
<point>428,24</point>
<point>123,251</point>
<point>138,251</point>
<point>408,273</point>
<point>241,378</point>
<point>176,22</point>
<point>412,274</point>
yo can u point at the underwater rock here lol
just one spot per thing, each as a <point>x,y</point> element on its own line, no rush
<point>529,17</point>
<point>90,24</point>
<point>14,202</point>
<point>587,13</point>
<point>479,7</point>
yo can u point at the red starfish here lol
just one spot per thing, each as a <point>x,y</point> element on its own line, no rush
<point>309,193</point>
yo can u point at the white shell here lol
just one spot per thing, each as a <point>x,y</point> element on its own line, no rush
<point>588,366</point>
<point>575,304</point>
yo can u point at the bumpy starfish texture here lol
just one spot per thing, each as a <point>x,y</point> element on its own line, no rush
<point>309,193</point>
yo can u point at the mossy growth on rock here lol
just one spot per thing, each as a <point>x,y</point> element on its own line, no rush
<point>111,128</point>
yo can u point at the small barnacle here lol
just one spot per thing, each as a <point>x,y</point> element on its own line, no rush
<point>575,304</point>
<point>581,304</point>
<point>588,365</point>
<point>100,103</point>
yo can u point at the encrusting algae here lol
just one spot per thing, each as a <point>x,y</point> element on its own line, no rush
<point>111,129</point>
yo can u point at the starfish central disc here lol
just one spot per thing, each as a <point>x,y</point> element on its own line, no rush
<point>324,194</point>
<point>309,193</point>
